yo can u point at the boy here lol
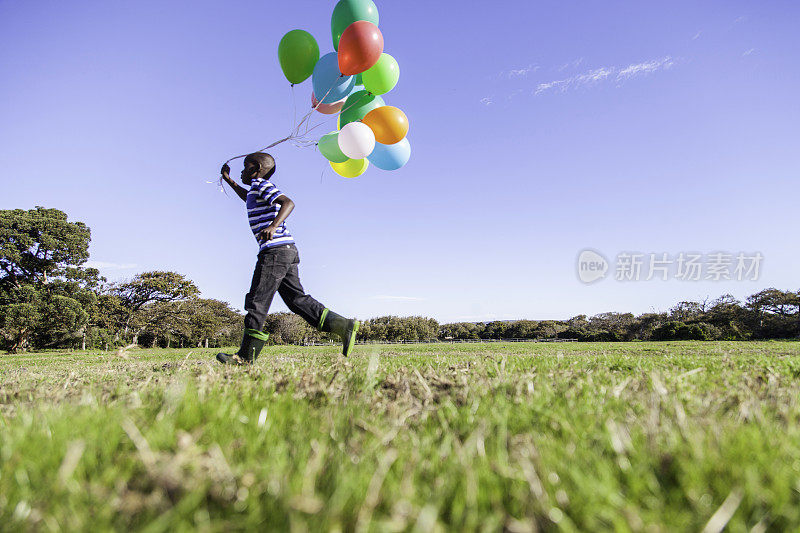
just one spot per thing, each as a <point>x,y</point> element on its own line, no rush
<point>276,268</point>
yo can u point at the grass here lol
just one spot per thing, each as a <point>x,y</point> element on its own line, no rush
<point>677,436</point>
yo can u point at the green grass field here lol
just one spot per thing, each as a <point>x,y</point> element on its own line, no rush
<point>676,436</point>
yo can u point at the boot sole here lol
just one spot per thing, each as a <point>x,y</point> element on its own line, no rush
<point>352,342</point>
<point>225,359</point>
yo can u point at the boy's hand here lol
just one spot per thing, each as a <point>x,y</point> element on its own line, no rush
<point>225,171</point>
<point>268,232</point>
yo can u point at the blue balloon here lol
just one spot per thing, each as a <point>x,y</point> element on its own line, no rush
<point>391,156</point>
<point>327,80</point>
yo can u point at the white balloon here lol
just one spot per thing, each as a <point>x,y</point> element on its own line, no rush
<point>356,140</point>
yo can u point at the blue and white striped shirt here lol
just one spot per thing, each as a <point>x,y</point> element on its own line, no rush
<point>261,212</point>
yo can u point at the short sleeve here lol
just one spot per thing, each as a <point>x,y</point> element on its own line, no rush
<point>269,192</point>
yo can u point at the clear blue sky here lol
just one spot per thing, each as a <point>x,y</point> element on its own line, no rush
<point>538,129</point>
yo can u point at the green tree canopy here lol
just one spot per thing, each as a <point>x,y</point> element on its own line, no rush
<point>45,293</point>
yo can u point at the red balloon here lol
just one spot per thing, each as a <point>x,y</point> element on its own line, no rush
<point>360,47</point>
<point>327,109</point>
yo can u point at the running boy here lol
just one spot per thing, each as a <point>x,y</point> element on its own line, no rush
<point>276,268</point>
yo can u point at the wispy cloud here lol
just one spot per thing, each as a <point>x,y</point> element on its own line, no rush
<point>522,72</point>
<point>595,76</point>
<point>572,64</point>
<point>105,265</point>
<point>487,101</point>
<point>648,67</point>
<point>748,52</point>
<point>517,73</point>
<point>397,298</point>
<point>697,35</point>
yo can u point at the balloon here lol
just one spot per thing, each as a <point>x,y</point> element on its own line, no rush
<point>391,156</point>
<point>360,47</point>
<point>327,80</point>
<point>347,12</point>
<point>327,109</point>
<point>329,148</point>
<point>298,52</point>
<point>357,106</point>
<point>389,124</point>
<point>359,80</point>
<point>352,168</point>
<point>356,140</point>
<point>382,76</point>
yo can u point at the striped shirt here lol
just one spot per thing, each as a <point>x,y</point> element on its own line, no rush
<point>261,212</point>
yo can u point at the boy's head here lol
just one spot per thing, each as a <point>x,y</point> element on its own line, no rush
<point>257,165</point>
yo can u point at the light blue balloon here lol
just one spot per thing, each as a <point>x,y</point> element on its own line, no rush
<point>327,81</point>
<point>391,156</point>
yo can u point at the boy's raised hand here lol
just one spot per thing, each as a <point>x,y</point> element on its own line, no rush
<point>225,173</point>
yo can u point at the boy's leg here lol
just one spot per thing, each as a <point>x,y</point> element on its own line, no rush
<point>313,312</point>
<point>295,297</point>
<point>270,269</point>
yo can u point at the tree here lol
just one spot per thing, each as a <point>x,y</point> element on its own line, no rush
<point>727,314</point>
<point>684,311</point>
<point>45,292</point>
<point>213,321</point>
<point>149,289</point>
<point>645,325</point>
<point>776,313</point>
<point>288,328</point>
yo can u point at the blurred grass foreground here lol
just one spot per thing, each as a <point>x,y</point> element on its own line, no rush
<point>674,436</point>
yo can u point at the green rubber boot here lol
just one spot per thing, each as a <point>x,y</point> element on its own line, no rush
<point>252,343</point>
<point>345,328</point>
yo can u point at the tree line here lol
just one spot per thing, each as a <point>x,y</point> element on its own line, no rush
<point>768,314</point>
<point>49,298</point>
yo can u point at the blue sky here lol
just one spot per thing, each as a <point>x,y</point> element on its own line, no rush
<point>538,129</point>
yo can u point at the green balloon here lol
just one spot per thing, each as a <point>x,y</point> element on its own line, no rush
<point>359,79</point>
<point>382,76</point>
<point>298,53</point>
<point>329,148</point>
<point>357,106</point>
<point>347,12</point>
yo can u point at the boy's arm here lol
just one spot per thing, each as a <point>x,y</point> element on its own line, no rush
<point>238,189</point>
<point>287,205</point>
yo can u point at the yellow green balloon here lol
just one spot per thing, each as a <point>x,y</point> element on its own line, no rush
<point>382,76</point>
<point>329,148</point>
<point>352,168</point>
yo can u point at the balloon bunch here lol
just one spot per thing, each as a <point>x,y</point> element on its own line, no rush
<point>349,83</point>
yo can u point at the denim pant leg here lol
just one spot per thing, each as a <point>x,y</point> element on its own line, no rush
<point>271,268</point>
<point>295,297</point>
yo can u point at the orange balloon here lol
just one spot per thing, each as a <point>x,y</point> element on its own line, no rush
<point>388,123</point>
<point>360,47</point>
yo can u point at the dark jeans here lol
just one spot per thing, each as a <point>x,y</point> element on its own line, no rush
<point>276,270</point>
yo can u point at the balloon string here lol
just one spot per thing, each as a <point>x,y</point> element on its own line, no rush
<point>295,135</point>
<point>294,105</point>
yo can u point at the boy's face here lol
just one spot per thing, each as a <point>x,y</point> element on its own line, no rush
<point>249,173</point>
<point>253,171</point>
